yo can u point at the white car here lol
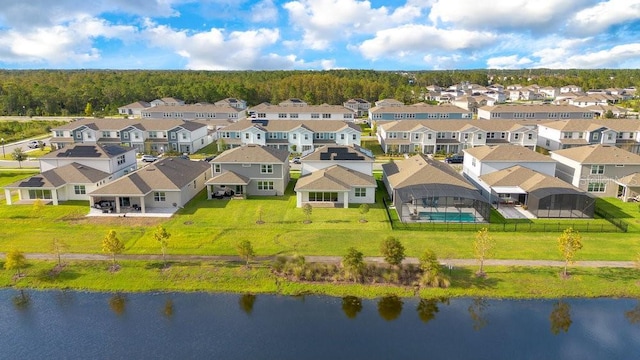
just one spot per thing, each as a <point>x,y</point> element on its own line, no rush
<point>33,145</point>
<point>148,158</point>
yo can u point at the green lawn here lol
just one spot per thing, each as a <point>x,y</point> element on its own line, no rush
<point>501,282</point>
<point>213,227</point>
<point>10,176</point>
<point>629,212</point>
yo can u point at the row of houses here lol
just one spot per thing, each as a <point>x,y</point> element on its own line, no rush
<point>432,136</point>
<point>165,135</point>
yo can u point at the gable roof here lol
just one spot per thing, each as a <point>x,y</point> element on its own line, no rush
<point>599,154</point>
<point>167,174</point>
<point>87,151</point>
<point>336,178</point>
<point>228,178</point>
<point>507,152</point>
<point>252,154</point>
<point>289,125</point>
<point>121,124</point>
<point>418,170</point>
<point>73,173</point>
<point>526,179</point>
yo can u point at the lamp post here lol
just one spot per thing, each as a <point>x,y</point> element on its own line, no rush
<point>3,154</point>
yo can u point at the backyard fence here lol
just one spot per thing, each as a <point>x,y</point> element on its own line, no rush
<point>586,226</point>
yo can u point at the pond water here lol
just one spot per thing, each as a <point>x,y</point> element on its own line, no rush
<point>77,325</point>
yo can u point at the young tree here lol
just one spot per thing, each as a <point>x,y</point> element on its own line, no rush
<point>353,263</point>
<point>392,250</point>
<point>307,209</point>
<point>162,237</point>
<point>259,213</point>
<point>245,250</point>
<point>569,242</point>
<point>432,275</point>
<point>58,247</point>
<point>482,248</point>
<point>364,209</point>
<point>88,110</point>
<point>15,260</point>
<point>37,207</point>
<point>19,156</point>
<point>111,244</point>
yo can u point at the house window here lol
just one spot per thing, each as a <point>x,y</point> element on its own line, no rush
<point>173,135</point>
<point>360,192</point>
<point>596,187</point>
<point>184,136</point>
<point>516,136</point>
<point>246,136</point>
<point>120,159</point>
<point>306,136</point>
<point>315,116</point>
<point>530,136</point>
<point>353,136</point>
<point>258,136</point>
<point>293,116</point>
<point>266,169</point>
<point>79,189</point>
<point>341,136</point>
<point>429,136</point>
<point>596,136</point>
<point>59,133</point>
<point>217,168</point>
<point>609,136</point>
<point>597,169</point>
<point>479,136</point>
<point>282,116</point>
<point>265,185</point>
<point>40,194</point>
<point>295,136</point>
<point>323,196</point>
<point>262,115</point>
<point>159,196</point>
<point>106,134</point>
<point>326,116</point>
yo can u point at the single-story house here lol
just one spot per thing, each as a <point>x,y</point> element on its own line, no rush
<point>168,183</point>
<point>542,195</point>
<point>422,189</point>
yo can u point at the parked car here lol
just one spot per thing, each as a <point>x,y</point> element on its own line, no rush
<point>209,158</point>
<point>33,145</point>
<point>296,160</point>
<point>454,159</point>
<point>148,158</point>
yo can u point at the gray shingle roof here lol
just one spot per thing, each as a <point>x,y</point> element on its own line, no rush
<point>334,178</point>
<point>73,173</point>
<point>253,154</point>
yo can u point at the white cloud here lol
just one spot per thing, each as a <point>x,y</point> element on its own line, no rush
<point>219,50</point>
<point>325,21</point>
<point>59,44</point>
<point>600,17</point>
<point>508,62</point>
<point>620,56</point>
<point>264,11</point>
<point>501,14</point>
<point>420,39</point>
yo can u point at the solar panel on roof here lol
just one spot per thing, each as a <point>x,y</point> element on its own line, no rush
<point>35,181</point>
<point>262,122</point>
<point>84,151</point>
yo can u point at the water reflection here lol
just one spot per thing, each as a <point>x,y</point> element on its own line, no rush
<point>246,302</point>
<point>22,300</point>
<point>390,307</point>
<point>427,308</point>
<point>560,317</point>
<point>351,306</point>
<point>477,311</point>
<point>167,311</point>
<point>118,303</point>
<point>633,315</point>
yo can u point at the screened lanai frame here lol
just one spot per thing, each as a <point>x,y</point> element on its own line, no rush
<point>448,201</point>
<point>560,203</point>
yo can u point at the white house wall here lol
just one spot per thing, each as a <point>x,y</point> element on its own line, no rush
<point>312,166</point>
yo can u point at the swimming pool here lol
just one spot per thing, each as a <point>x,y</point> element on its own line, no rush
<point>448,217</point>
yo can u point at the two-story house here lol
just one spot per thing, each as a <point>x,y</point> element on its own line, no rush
<point>134,109</point>
<point>596,168</point>
<point>322,112</point>
<point>194,112</point>
<point>298,136</point>
<point>249,170</point>
<point>623,133</point>
<point>145,135</point>
<point>420,111</point>
<point>72,172</point>
<point>336,176</point>
<point>533,112</point>
<point>360,106</point>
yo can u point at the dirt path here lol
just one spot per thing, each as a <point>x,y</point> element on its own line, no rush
<point>334,260</point>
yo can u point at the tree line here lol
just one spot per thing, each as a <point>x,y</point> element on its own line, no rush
<point>68,92</point>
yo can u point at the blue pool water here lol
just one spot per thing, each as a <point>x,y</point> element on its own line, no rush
<point>448,217</point>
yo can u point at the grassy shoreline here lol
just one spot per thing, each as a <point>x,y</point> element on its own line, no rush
<point>505,282</point>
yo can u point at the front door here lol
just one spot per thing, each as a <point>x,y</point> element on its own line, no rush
<point>125,202</point>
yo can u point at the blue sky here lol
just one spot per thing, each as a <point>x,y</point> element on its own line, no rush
<point>319,34</point>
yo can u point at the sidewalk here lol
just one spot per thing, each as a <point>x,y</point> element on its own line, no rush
<point>332,260</point>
